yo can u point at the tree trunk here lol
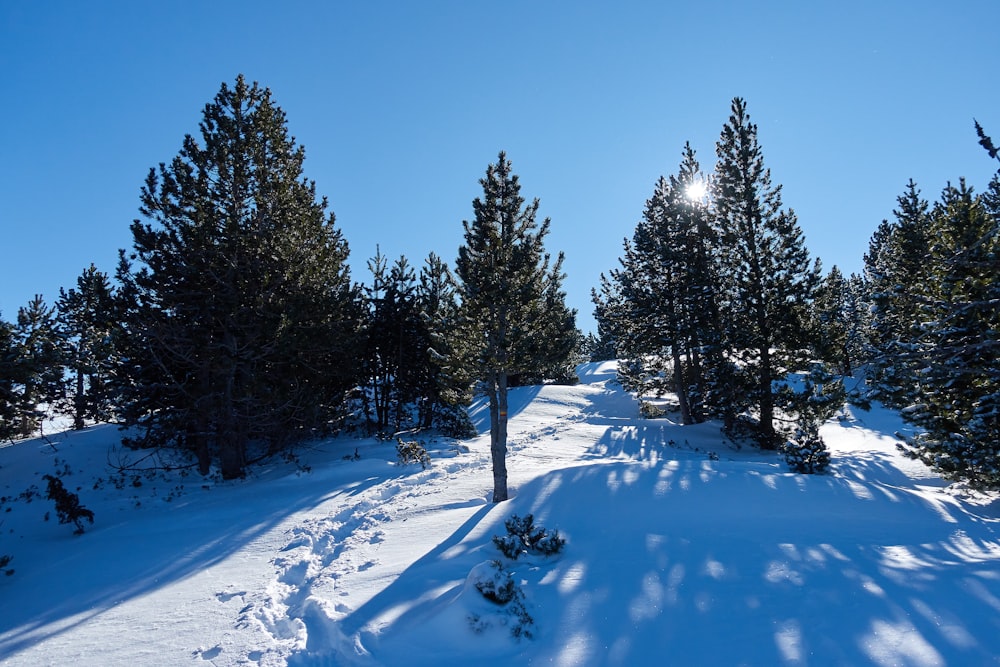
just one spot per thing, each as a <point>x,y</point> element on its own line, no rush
<point>680,386</point>
<point>768,440</point>
<point>498,435</point>
<point>79,402</point>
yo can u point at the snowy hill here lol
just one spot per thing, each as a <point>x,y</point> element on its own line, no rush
<point>680,550</point>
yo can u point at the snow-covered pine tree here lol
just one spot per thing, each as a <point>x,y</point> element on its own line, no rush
<point>242,319</point>
<point>896,266</point>
<point>767,275</point>
<point>86,326</point>
<point>507,325</point>
<point>954,360</point>
<point>839,321</point>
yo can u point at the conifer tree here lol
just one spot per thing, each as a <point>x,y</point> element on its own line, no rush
<point>768,277</point>
<point>444,386</point>
<point>9,377</point>
<point>897,264</point>
<point>241,319</point>
<point>508,287</point>
<point>953,361</point>
<point>394,340</point>
<point>840,325</point>
<point>38,364</point>
<point>86,324</point>
<point>663,306</point>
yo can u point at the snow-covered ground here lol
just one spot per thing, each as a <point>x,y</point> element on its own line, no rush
<point>680,550</point>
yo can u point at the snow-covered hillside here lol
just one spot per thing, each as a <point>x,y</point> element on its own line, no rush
<point>680,550</point>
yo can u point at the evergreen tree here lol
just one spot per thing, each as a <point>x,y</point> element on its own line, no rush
<point>9,378</point>
<point>241,320</point>
<point>86,324</point>
<point>395,341</point>
<point>662,310</point>
<point>443,387</point>
<point>896,265</point>
<point>954,359</point>
<point>38,364</point>
<point>840,325</point>
<point>508,287</point>
<point>769,280</point>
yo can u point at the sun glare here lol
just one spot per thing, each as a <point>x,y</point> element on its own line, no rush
<point>696,190</point>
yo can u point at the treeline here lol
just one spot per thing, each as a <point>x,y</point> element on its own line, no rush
<point>233,329</point>
<point>717,301</point>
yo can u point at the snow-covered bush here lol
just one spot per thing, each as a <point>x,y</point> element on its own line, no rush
<point>806,452</point>
<point>649,410</point>
<point>523,537</point>
<point>498,586</point>
<point>412,452</point>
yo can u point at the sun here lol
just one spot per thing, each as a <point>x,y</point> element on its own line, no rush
<point>696,190</point>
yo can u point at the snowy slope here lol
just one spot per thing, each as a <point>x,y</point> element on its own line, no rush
<point>680,550</point>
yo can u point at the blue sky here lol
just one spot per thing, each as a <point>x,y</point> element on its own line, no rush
<point>402,105</point>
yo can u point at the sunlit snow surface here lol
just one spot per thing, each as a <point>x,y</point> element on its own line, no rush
<point>681,550</point>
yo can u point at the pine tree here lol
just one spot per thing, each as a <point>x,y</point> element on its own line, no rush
<point>508,287</point>
<point>86,325</point>
<point>840,324</point>
<point>39,364</point>
<point>10,371</point>
<point>395,341</point>
<point>954,359</point>
<point>896,265</point>
<point>240,318</point>
<point>444,386</point>
<point>769,280</point>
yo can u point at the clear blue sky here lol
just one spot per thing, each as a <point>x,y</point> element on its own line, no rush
<point>402,105</point>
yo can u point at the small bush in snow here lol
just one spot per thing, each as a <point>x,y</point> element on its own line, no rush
<point>68,505</point>
<point>453,422</point>
<point>524,537</point>
<point>412,452</point>
<point>4,562</point>
<point>806,452</point>
<point>498,586</point>
<point>649,410</point>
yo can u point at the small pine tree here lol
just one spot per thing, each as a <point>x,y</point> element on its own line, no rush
<point>68,507</point>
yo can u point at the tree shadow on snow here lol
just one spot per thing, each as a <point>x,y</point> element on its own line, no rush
<point>119,559</point>
<point>693,562</point>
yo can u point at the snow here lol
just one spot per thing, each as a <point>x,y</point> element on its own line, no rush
<point>681,549</point>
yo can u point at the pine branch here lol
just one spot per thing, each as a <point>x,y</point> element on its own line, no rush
<point>986,142</point>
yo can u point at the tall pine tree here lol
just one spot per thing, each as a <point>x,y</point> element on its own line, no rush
<point>513,318</point>
<point>241,317</point>
<point>768,277</point>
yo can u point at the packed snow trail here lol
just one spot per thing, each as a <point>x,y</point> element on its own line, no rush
<point>681,549</point>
